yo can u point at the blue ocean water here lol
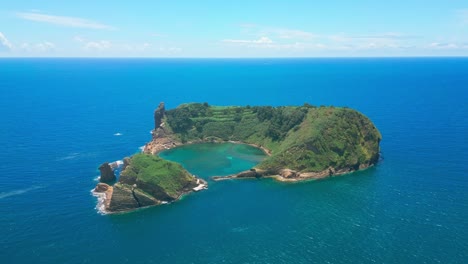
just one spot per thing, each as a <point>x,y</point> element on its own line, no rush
<point>59,117</point>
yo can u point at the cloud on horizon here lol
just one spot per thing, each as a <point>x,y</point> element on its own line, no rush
<point>5,42</point>
<point>260,41</point>
<point>40,47</point>
<point>277,32</point>
<point>447,46</point>
<point>65,21</point>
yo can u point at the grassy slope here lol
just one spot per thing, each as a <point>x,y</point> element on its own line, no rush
<point>303,138</point>
<point>336,137</point>
<point>154,171</point>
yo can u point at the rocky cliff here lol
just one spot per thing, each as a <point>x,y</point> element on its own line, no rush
<point>158,115</point>
<point>148,180</point>
<point>107,173</point>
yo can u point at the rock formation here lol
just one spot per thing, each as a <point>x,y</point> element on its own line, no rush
<point>158,115</point>
<point>101,187</point>
<point>126,198</point>
<point>107,174</point>
<point>148,180</point>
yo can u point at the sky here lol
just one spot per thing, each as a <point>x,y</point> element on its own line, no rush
<point>233,29</point>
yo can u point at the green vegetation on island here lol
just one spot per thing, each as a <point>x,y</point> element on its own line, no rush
<point>302,138</point>
<point>162,179</point>
<point>149,180</point>
<point>304,142</point>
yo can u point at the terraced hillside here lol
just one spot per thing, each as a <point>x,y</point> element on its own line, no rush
<point>302,138</point>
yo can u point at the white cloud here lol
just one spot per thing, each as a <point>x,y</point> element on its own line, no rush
<point>294,39</point>
<point>277,32</point>
<point>447,46</point>
<point>293,34</point>
<point>91,45</point>
<point>5,42</point>
<point>261,40</point>
<point>97,45</point>
<point>338,42</point>
<point>267,43</point>
<point>169,50</point>
<point>136,47</point>
<point>384,41</point>
<point>383,36</point>
<point>63,21</point>
<point>45,46</point>
<point>106,47</point>
<point>40,47</point>
<point>79,39</point>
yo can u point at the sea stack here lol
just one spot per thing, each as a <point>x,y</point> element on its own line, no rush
<point>107,173</point>
<point>158,115</point>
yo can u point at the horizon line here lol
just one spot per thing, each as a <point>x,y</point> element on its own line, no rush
<point>241,58</point>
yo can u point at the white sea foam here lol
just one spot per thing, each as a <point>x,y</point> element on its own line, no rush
<point>118,134</point>
<point>101,199</point>
<point>69,156</point>
<point>142,148</point>
<point>18,192</point>
<point>239,229</point>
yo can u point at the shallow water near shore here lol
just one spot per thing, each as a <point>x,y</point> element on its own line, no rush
<point>61,117</point>
<point>215,159</point>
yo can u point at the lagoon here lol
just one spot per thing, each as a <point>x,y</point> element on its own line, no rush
<point>215,159</point>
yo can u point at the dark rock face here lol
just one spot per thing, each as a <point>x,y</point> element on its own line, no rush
<point>122,199</point>
<point>158,115</point>
<point>107,174</point>
<point>126,198</point>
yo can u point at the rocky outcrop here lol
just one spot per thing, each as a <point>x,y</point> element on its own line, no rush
<point>107,173</point>
<point>104,193</point>
<point>288,175</point>
<point>147,180</point>
<point>102,187</point>
<point>252,173</point>
<point>161,141</point>
<point>158,115</point>
<point>125,198</point>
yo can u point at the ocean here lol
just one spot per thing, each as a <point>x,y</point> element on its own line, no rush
<point>61,118</point>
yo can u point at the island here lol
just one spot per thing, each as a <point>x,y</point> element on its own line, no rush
<point>302,143</point>
<point>145,180</point>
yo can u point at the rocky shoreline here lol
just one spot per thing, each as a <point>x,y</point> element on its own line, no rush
<point>104,192</point>
<point>288,175</point>
<point>159,144</point>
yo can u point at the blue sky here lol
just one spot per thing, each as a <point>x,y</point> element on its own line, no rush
<point>255,28</point>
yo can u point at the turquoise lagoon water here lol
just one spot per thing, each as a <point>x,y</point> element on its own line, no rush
<point>60,118</point>
<point>213,159</point>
